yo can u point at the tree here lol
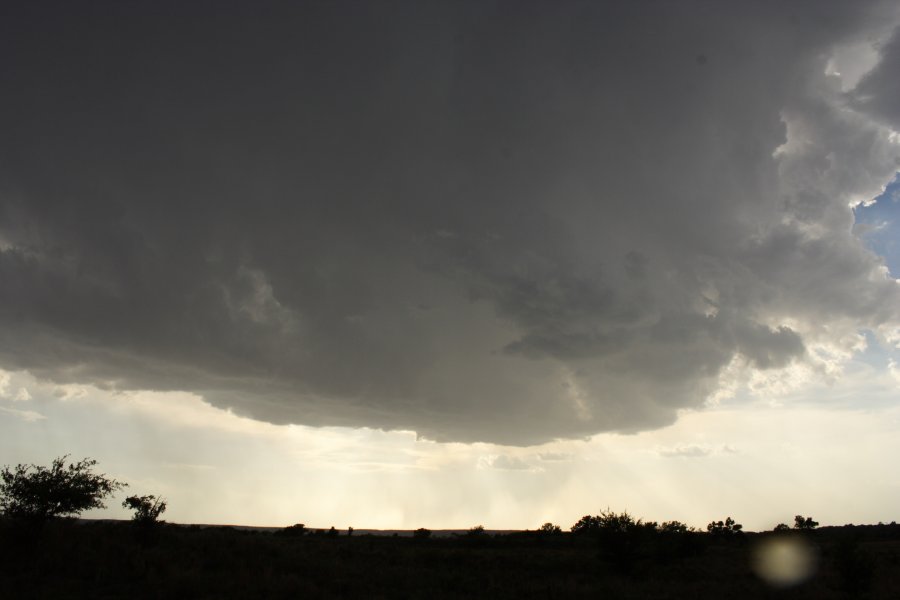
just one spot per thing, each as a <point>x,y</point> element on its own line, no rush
<point>728,528</point>
<point>586,524</point>
<point>804,524</point>
<point>673,527</point>
<point>781,527</point>
<point>621,522</point>
<point>34,494</point>
<point>623,540</point>
<point>549,528</point>
<point>609,521</point>
<point>422,533</point>
<point>675,541</point>
<point>146,509</point>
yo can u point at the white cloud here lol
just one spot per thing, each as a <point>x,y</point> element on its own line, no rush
<point>7,382</point>
<point>4,383</point>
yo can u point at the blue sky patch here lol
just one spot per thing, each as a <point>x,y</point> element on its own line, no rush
<point>879,225</point>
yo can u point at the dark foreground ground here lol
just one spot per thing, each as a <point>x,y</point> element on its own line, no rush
<point>114,560</point>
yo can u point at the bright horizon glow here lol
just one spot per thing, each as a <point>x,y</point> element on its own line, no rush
<point>215,467</point>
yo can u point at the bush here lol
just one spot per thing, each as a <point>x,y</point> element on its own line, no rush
<point>146,509</point>
<point>477,531</point>
<point>586,524</point>
<point>35,494</point>
<point>725,529</point>
<point>422,533</point>
<point>609,521</point>
<point>296,530</point>
<point>549,528</point>
<point>676,541</point>
<point>673,527</point>
<point>623,540</point>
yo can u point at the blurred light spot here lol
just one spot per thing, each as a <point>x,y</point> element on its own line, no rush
<point>784,561</point>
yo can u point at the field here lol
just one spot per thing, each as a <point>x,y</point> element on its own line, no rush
<point>68,559</point>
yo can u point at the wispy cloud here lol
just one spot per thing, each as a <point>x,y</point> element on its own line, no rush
<point>694,451</point>
<point>505,462</point>
<point>29,416</point>
<point>555,456</point>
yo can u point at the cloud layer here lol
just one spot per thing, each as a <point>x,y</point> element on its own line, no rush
<point>495,222</point>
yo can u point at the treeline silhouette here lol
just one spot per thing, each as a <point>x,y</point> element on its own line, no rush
<point>46,553</point>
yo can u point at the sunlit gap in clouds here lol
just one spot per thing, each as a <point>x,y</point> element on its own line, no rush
<point>878,225</point>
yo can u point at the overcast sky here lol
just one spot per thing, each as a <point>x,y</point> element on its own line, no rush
<point>402,264</point>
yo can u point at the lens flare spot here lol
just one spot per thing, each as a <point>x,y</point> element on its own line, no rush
<point>784,561</point>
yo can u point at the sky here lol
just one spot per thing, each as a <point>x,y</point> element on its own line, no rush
<point>405,264</point>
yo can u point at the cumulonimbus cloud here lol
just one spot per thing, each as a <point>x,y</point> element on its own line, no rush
<point>504,222</point>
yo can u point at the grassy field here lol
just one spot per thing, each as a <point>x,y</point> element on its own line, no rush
<point>115,560</point>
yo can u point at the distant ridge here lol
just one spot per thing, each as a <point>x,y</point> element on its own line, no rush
<point>382,532</point>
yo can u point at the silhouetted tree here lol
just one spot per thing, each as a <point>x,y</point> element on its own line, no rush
<point>804,524</point>
<point>728,528</point>
<point>623,540</point>
<point>34,494</point>
<point>296,530</point>
<point>673,527</point>
<point>676,541</point>
<point>422,533</point>
<point>586,524</point>
<point>549,528</point>
<point>476,537</point>
<point>476,531</point>
<point>781,527</point>
<point>612,521</point>
<point>609,521</point>
<point>146,509</point>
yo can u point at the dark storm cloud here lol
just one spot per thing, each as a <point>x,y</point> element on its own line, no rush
<point>879,89</point>
<point>480,221</point>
